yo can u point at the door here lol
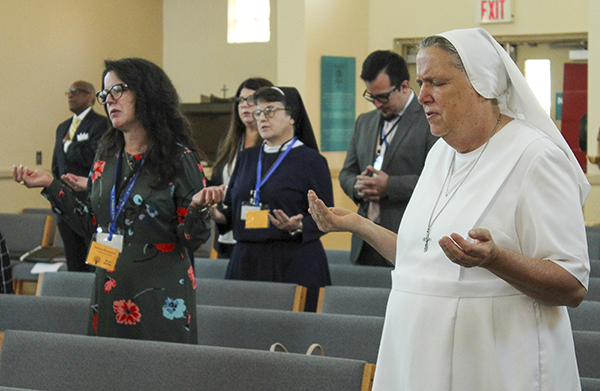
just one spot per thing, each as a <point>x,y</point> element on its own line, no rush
<point>574,109</point>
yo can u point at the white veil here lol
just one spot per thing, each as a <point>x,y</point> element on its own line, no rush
<point>494,74</point>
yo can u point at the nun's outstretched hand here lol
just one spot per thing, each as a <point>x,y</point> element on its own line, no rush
<point>331,219</point>
<point>284,222</point>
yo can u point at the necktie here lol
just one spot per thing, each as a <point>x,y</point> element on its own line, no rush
<point>74,125</point>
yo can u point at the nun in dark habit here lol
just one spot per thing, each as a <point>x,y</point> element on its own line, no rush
<point>266,204</point>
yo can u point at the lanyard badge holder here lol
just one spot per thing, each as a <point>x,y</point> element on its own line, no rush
<point>378,163</point>
<point>105,249</point>
<point>383,140</point>
<point>254,213</point>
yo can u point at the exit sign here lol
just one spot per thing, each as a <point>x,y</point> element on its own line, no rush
<point>493,11</point>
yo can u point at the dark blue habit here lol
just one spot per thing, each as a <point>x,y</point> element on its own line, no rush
<point>271,254</point>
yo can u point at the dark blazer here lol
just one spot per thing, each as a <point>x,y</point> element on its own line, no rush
<point>80,155</point>
<point>403,162</point>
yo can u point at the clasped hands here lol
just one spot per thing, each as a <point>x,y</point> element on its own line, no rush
<point>371,184</point>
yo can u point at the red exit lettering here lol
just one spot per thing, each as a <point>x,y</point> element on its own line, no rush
<point>492,10</point>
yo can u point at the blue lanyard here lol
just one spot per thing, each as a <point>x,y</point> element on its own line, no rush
<point>384,135</point>
<point>259,181</point>
<point>115,210</point>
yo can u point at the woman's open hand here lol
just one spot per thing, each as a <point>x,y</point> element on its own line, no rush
<point>31,178</point>
<point>76,182</point>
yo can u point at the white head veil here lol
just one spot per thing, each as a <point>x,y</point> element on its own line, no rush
<point>494,75</point>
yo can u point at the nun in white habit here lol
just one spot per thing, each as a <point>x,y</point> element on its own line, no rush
<point>492,247</point>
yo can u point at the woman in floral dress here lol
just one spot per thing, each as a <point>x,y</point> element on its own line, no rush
<point>139,190</point>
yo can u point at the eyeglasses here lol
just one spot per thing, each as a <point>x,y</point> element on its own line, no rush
<point>76,91</point>
<point>115,91</point>
<point>269,112</point>
<point>249,100</point>
<point>381,98</point>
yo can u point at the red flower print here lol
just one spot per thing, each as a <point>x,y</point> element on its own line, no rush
<point>200,167</point>
<point>60,194</point>
<point>181,213</point>
<point>204,181</point>
<point>127,312</point>
<point>94,221</point>
<point>165,247</point>
<point>137,157</point>
<point>192,276</point>
<point>188,237</point>
<point>109,284</point>
<point>98,168</point>
<point>95,323</point>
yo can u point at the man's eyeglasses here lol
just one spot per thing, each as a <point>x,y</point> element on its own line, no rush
<point>115,91</point>
<point>76,91</point>
<point>269,112</point>
<point>381,98</point>
<point>249,100</point>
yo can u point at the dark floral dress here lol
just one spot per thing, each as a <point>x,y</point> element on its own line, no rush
<point>151,292</point>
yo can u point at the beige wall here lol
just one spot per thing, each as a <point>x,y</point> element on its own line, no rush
<point>394,19</point>
<point>45,46</point>
<point>197,56</point>
<point>334,28</point>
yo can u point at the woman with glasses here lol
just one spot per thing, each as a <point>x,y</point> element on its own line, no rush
<point>139,190</point>
<point>242,134</point>
<point>277,240</point>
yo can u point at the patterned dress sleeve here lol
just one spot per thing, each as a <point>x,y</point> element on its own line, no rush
<point>68,207</point>
<point>194,226</point>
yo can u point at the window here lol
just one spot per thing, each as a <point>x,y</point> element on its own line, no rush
<point>537,74</point>
<point>248,21</point>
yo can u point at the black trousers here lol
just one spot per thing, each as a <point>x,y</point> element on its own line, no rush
<point>76,248</point>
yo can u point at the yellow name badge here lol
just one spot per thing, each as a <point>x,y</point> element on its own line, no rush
<point>257,219</point>
<point>102,256</point>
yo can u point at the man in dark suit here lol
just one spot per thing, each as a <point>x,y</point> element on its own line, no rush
<point>387,151</point>
<point>76,142</point>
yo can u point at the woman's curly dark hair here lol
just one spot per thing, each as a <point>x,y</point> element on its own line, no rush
<point>158,109</point>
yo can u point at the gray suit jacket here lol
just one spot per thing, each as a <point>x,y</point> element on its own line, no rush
<point>403,162</point>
